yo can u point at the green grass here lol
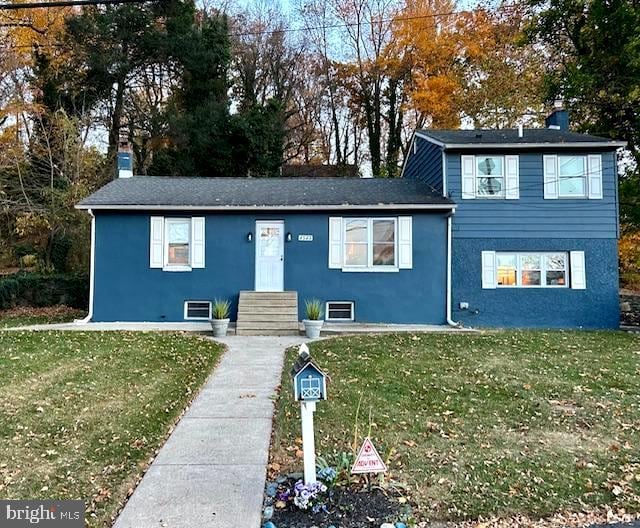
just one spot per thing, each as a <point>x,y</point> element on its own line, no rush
<point>82,412</point>
<point>484,424</point>
<point>30,316</point>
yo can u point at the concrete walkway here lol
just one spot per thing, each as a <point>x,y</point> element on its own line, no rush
<point>212,470</point>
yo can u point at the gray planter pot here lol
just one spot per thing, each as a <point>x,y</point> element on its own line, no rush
<point>312,328</point>
<point>219,327</point>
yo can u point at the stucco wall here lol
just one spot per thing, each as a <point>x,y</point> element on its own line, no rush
<point>595,307</point>
<point>126,289</point>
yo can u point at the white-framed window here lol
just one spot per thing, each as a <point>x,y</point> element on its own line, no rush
<point>339,311</point>
<point>177,244</point>
<point>572,177</point>
<point>532,270</point>
<point>370,243</point>
<point>490,177</point>
<point>197,310</point>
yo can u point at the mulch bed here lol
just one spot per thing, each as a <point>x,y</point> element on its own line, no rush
<point>632,317</point>
<point>347,508</point>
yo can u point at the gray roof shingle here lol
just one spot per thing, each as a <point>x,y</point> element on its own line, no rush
<point>531,136</point>
<point>156,192</point>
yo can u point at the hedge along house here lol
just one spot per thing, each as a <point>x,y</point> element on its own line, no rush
<point>372,250</point>
<point>536,224</point>
<point>498,228</point>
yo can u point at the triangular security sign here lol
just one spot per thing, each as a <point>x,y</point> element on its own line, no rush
<point>368,460</point>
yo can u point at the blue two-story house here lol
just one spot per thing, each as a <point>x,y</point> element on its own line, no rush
<point>536,223</point>
<point>495,228</point>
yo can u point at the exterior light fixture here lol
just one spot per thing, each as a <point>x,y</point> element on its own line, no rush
<point>289,237</point>
<point>249,236</point>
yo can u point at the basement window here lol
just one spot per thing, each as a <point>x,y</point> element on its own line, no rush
<point>339,311</point>
<point>197,310</point>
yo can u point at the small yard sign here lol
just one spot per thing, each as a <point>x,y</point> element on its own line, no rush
<point>368,460</point>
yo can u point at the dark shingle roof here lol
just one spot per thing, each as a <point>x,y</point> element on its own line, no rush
<point>531,137</point>
<point>155,192</point>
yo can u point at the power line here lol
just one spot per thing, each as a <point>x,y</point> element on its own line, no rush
<point>65,3</point>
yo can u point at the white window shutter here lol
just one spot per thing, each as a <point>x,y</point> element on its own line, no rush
<point>550,169</point>
<point>156,242</point>
<point>512,177</point>
<point>335,242</point>
<point>468,167</point>
<point>594,171</point>
<point>578,270</point>
<point>405,242</point>
<point>488,270</point>
<point>197,242</point>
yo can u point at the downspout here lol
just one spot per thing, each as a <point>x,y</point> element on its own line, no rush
<point>92,267</point>
<point>450,321</point>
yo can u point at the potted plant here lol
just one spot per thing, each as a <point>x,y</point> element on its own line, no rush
<point>220,321</point>
<point>313,323</point>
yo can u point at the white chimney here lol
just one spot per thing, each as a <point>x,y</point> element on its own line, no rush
<point>520,130</point>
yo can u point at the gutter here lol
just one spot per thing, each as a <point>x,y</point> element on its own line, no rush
<point>169,207</point>
<point>91,270</point>
<point>450,321</point>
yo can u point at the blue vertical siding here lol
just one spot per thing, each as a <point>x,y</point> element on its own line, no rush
<point>126,289</point>
<point>595,307</point>
<point>425,164</point>
<point>532,215</point>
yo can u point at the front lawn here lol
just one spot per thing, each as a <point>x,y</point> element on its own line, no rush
<point>82,412</point>
<point>484,424</point>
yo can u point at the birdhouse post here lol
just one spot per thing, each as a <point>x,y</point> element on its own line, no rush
<point>309,386</point>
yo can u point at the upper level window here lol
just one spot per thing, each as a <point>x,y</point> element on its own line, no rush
<point>572,176</point>
<point>370,242</point>
<point>490,176</point>
<point>178,237</point>
<point>531,270</point>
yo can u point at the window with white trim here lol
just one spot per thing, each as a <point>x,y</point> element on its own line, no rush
<point>339,311</point>
<point>490,177</point>
<point>370,243</point>
<point>197,310</point>
<point>572,176</point>
<point>177,242</point>
<point>532,270</point>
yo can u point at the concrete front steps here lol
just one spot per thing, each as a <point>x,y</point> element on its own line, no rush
<point>268,313</point>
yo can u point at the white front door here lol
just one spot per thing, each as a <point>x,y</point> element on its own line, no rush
<point>270,256</point>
